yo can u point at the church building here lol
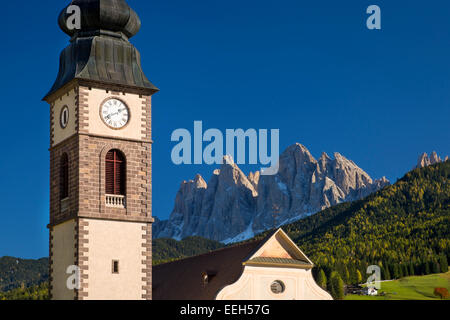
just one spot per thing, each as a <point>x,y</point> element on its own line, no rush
<point>272,268</point>
<point>100,159</point>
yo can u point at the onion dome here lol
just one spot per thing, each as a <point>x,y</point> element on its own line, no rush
<point>100,51</point>
<point>97,15</point>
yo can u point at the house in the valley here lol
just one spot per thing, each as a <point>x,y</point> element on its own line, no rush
<point>273,268</point>
<point>370,291</point>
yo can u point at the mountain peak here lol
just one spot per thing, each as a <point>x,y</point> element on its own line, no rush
<point>233,205</point>
<point>434,158</point>
<point>384,179</point>
<point>200,182</point>
<point>339,157</point>
<point>297,148</point>
<point>228,160</point>
<point>297,152</point>
<point>325,156</point>
<point>425,160</point>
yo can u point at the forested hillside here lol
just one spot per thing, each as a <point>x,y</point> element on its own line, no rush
<point>16,272</point>
<point>165,250</point>
<point>403,228</point>
<point>36,292</point>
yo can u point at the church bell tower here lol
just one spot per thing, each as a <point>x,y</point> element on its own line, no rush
<point>100,159</point>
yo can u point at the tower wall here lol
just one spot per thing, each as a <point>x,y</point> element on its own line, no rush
<point>68,99</point>
<point>84,230</point>
<point>125,242</point>
<point>62,255</point>
<point>108,100</point>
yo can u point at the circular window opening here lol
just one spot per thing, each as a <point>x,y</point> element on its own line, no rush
<point>64,118</point>
<point>277,287</point>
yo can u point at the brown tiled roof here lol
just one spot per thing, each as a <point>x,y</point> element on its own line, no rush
<point>183,279</point>
<point>280,261</point>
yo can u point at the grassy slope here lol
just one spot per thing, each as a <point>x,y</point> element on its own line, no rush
<point>410,288</point>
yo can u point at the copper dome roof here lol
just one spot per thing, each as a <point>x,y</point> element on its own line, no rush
<point>100,51</point>
<point>96,15</point>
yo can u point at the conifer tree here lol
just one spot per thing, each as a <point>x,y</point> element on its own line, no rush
<point>411,269</point>
<point>443,263</point>
<point>358,277</point>
<point>322,279</point>
<point>436,268</point>
<point>336,286</point>
<point>427,268</point>
<point>405,270</point>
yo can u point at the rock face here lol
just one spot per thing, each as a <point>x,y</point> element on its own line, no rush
<point>233,207</point>
<point>425,160</point>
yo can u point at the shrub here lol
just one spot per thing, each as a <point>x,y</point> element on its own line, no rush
<point>441,293</point>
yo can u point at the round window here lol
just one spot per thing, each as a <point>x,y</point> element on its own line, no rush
<point>277,287</point>
<point>64,117</point>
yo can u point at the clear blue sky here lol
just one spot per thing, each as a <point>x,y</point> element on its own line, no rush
<point>310,68</point>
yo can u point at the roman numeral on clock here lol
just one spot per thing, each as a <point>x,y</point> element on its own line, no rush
<point>115,113</point>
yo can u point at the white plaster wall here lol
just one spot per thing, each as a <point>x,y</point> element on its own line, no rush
<point>63,256</point>
<point>133,130</point>
<point>60,134</point>
<point>113,240</point>
<point>256,281</point>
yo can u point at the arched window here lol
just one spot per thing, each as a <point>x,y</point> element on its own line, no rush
<point>115,173</point>
<point>64,178</point>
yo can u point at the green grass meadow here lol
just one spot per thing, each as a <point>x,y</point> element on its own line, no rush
<point>410,288</point>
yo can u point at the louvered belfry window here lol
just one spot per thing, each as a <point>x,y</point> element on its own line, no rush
<point>64,176</point>
<point>115,173</point>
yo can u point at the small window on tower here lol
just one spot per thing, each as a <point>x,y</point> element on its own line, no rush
<point>64,177</point>
<point>115,267</point>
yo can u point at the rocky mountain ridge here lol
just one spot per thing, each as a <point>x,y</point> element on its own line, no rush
<point>425,160</point>
<point>232,206</point>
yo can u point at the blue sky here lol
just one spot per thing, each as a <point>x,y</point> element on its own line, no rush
<point>310,68</point>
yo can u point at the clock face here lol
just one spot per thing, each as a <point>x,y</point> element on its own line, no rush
<point>115,113</point>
